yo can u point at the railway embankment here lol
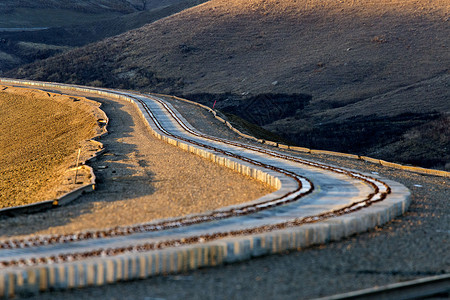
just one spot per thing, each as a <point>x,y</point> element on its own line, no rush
<point>360,202</point>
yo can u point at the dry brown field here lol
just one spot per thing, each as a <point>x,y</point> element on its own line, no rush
<point>40,135</point>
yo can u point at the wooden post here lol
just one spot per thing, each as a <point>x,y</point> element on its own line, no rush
<point>76,167</point>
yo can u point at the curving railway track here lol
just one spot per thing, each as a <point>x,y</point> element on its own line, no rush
<point>314,203</point>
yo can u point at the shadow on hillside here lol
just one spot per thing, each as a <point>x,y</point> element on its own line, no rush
<point>415,138</point>
<point>261,109</point>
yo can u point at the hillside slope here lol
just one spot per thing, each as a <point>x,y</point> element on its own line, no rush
<point>92,6</point>
<point>36,155</point>
<point>368,77</point>
<point>70,28</point>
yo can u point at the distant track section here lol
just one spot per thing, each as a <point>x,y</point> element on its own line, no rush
<point>435,287</point>
<point>334,201</point>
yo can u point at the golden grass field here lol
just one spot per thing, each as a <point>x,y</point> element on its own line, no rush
<point>41,133</point>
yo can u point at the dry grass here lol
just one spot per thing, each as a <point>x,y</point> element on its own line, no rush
<point>39,135</point>
<point>334,50</point>
<point>70,27</point>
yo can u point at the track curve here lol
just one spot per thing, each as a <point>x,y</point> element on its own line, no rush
<point>308,193</point>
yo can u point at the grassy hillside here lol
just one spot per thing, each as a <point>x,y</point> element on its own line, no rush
<point>70,28</point>
<point>55,13</point>
<point>35,153</point>
<point>80,6</point>
<point>373,75</point>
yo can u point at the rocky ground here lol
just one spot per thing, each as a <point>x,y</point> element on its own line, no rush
<point>411,246</point>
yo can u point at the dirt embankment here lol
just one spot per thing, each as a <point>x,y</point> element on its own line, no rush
<point>41,133</point>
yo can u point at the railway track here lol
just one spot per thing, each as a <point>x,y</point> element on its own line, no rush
<point>308,193</point>
<point>434,287</point>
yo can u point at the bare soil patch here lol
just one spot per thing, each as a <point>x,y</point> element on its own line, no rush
<point>41,133</point>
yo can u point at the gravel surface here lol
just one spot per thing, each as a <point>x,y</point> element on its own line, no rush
<point>412,246</point>
<point>140,179</point>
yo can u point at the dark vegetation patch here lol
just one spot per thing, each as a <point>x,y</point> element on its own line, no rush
<point>98,68</point>
<point>55,40</point>
<point>359,133</point>
<point>261,109</point>
<point>411,138</point>
<point>425,145</point>
<point>255,130</point>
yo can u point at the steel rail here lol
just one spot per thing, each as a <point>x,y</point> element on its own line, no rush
<point>415,289</point>
<point>305,187</point>
<point>375,183</point>
<point>119,231</point>
<point>372,181</point>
